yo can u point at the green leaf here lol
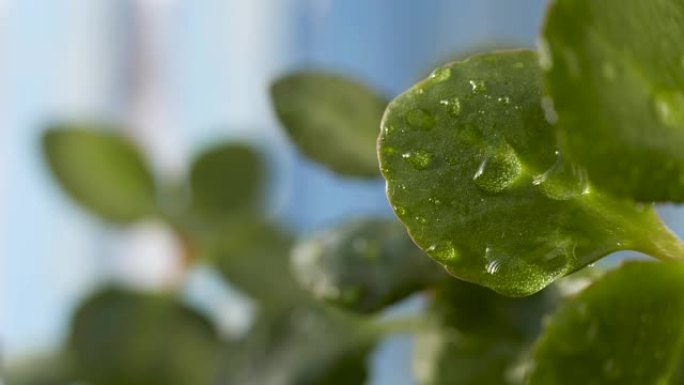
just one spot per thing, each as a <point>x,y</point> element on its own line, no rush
<point>333,120</point>
<point>102,171</point>
<point>364,265</point>
<point>226,180</point>
<point>624,329</point>
<point>473,172</point>
<point>479,337</point>
<point>303,345</point>
<point>615,72</point>
<point>255,257</point>
<point>119,337</point>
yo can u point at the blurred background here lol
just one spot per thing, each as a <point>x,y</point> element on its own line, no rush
<point>180,75</point>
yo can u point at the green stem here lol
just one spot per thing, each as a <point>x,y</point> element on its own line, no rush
<point>411,325</point>
<point>662,244</point>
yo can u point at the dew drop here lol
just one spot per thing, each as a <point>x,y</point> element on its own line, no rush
<point>498,171</point>
<point>443,252</point>
<point>419,159</point>
<point>505,100</point>
<point>478,86</point>
<point>420,118</point>
<point>563,181</point>
<point>400,211</point>
<point>493,266</point>
<point>435,201</point>
<point>453,106</point>
<point>421,220</point>
<point>441,74</point>
<point>669,107</point>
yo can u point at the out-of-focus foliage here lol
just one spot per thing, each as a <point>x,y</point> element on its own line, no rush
<point>333,120</point>
<point>102,171</point>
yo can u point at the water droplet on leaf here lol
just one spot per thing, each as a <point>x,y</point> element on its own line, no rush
<point>441,74</point>
<point>420,118</point>
<point>420,159</point>
<point>669,107</point>
<point>478,86</point>
<point>498,171</point>
<point>453,106</point>
<point>563,181</point>
<point>443,252</point>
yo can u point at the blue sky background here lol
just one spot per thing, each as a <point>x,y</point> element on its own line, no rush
<point>68,58</point>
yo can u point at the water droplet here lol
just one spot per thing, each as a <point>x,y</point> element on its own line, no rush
<point>441,74</point>
<point>669,107</point>
<point>504,100</point>
<point>443,252</point>
<point>420,118</point>
<point>545,58</point>
<point>498,171</point>
<point>420,159</point>
<point>608,70</point>
<point>469,134</point>
<point>421,220</point>
<point>478,86</point>
<point>389,150</point>
<point>563,181</point>
<point>453,106</point>
<point>435,201</point>
<point>400,211</point>
<point>549,110</point>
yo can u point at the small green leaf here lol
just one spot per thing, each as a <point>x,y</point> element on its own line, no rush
<point>615,72</point>
<point>483,190</point>
<point>255,257</point>
<point>102,171</point>
<point>118,337</point>
<point>624,329</point>
<point>303,345</point>
<point>225,180</point>
<point>334,121</point>
<point>364,265</point>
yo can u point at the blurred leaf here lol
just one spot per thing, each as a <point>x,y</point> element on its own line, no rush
<point>615,72</point>
<point>119,337</point>
<point>304,345</point>
<point>102,171</point>
<point>255,257</point>
<point>478,336</point>
<point>333,120</point>
<point>225,180</point>
<point>473,172</point>
<point>42,370</point>
<point>624,329</point>
<point>364,265</point>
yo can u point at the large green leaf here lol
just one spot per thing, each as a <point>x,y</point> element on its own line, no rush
<point>364,265</point>
<point>102,171</point>
<point>118,337</point>
<point>476,336</point>
<point>615,72</point>
<point>333,120</point>
<point>255,257</point>
<point>473,172</point>
<point>303,345</point>
<point>624,329</point>
<point>225,180</point>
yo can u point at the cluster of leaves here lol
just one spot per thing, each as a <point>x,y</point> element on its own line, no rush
<point>510,169</point>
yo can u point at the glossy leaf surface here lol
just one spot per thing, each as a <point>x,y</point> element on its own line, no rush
<point>102,171</point>
<point>333,120</point>
<point>118,337</point>
<point>225,180</point>
<point>615,72</point>
<point>624,329</point>
<point>474,173</point>
<point>364,265</point>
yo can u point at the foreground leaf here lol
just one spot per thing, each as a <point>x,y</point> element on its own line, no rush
<point>226,180</point>
<point>304,345</point>
<point>255,257</point>
<point>615,72</point>
<point>478,336</point>
<point>119,337</point>
<point>102,171</point>
<point>333,120</point>
<point>473,172</point>
<point>624,329</point>
<point>364,265</point>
